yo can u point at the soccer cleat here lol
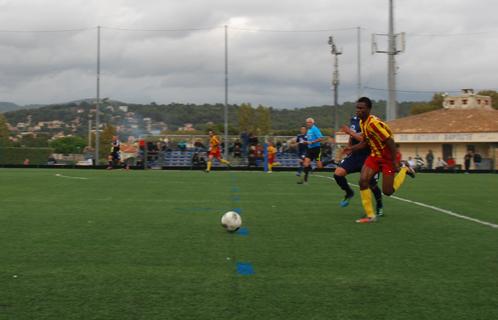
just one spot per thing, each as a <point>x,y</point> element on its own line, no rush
<point>207,171</point>
<point>380,212</point>
<point>367,220</point>
<point>298,174</point>
<point>344,203</point>
<point>269,172</point>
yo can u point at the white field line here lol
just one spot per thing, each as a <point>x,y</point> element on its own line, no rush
<point>69,177</point>
<point>448,212</point>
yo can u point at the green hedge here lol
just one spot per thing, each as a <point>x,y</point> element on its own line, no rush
<point>18,155</point>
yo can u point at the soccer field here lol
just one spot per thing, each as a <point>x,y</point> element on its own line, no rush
<point>86,244</point>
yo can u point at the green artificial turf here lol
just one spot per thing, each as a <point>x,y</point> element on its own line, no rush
<point>149,245</point>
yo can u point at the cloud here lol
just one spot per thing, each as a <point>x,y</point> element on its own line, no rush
<point>282,69</point>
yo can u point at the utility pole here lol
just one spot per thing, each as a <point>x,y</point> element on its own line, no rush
<point>358,58</point>
<point>90,133</point>
<point>392,51</point>
<point>97,105</point>
<point>225,151</point>
<point>335,79</point>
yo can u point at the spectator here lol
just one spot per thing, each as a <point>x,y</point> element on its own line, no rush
<point>182,146</point>
<point>451,163</point>
<point>244,138</point>
<point>477,160</point>
<point>253,140</point>
<point>237,149</point>
<point>466,161</point>
<point>411,162</point>
<point>26,162</point>
<point>429,157</point>
<point>419,162</point>
<point>199,146</point>
<point>441,164</point>
<point>252,156</point>
<point>198,161</point>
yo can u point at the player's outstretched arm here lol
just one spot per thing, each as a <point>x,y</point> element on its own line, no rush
<point>351,133</point>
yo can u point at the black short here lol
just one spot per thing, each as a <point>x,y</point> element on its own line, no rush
<point>115,156</point>
<point>353,162</point>
<point>314,153</point>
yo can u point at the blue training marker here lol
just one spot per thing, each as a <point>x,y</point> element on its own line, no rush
<point>235,189</point>
<point>235,198</point>
<point>238,210</point>
<point>245,269</point>
<point>244,232</point>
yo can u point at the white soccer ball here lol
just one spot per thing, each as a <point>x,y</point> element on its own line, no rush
<point>231,221</point>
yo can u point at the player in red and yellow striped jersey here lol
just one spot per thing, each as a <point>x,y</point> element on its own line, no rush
<point>214,150</point>
<point>272,154</point>
<point>379,137</point>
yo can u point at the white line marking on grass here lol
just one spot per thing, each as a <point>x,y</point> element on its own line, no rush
<point>69,177</point>
<point>448,212</point>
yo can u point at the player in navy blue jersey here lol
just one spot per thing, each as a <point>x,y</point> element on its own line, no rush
<point>353,163</point>
<point>302,147</point>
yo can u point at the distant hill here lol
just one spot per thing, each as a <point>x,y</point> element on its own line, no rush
<point>10,106</point>
<point>175,115</point>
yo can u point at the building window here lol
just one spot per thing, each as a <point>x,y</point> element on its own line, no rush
<point>486,102</point>
<point>478,101</point>
<point>452,102</point>
<point>464,101</point>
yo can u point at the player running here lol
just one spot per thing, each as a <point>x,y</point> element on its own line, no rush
<point>214,151</point>
<point>114,157</point>
<point>272,154</point>
<point>353,163</point>
<point>314,138</point>
<point>378,136</point>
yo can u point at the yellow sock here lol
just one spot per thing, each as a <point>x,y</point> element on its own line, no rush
<point>276,164</point>
<point>366,201</point>
<point>224,161</point>
<point>209,165</point>
<point>270,166</point>
<point>400,178</point>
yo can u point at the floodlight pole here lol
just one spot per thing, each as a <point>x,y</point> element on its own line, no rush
<point>225,151</point>
<point>392,51</point>
<point>97,105</point>
<point>391,112</point>
<point>335,80</point>
<point>358,58</point>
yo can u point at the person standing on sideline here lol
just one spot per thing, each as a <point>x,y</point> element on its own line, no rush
<point>429,157</point>
<point>477,160</point>
<point>466,161</point>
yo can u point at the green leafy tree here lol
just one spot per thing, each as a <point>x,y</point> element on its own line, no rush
<point>4,132</point>
<point>246,117</point>
<point>435,104</point>
<point>106,140</point>
<point>68,145</point>
<point>263,120</point>
<point>41,140</point>
<point>494,97</point>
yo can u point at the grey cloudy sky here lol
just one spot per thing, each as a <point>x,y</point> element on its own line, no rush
<point>451,44</point>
